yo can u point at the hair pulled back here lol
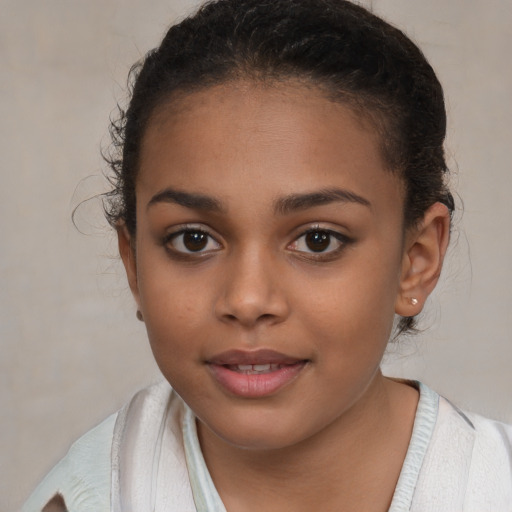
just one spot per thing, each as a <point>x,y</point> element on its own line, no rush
<point>349,53</point>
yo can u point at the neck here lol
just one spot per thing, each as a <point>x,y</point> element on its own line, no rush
<point>353,463</point>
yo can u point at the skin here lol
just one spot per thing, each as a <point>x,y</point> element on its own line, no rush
<point>258,285</point>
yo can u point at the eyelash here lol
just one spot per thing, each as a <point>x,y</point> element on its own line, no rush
<point>185,252</point>
<point>327,234</point>
<point>172,243</point>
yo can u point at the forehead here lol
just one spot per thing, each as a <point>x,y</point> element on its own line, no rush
<point>267,136</point>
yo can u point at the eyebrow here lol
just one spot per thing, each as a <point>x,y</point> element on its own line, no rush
<point>295,202</point>
<point>282,206</point>
<point>188,200</point>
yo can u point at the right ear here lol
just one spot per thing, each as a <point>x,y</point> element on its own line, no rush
<point>127,252</point>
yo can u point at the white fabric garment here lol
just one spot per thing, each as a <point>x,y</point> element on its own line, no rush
<point>148,458</point>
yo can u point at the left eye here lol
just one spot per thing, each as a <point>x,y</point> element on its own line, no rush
<point>318,241</point>
<point>192,241</point>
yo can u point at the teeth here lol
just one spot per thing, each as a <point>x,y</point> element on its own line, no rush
<point>261,367</point>
<point>255,369</point>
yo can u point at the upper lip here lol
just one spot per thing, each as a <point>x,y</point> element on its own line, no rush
<point>260,356</point>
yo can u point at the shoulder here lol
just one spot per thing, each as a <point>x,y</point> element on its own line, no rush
<point>468,461</point>
<point>490,471</point>
<point>490,441</point>
<point>82,476</point>
<point>468,465</point>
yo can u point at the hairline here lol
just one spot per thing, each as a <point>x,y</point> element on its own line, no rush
<point>362,105</point>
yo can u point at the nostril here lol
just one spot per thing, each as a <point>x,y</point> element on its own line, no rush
<point>248,319</point>
<point>267,316</point>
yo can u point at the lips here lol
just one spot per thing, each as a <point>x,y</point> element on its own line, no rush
<point>254,374</point>
<point>262,356</point>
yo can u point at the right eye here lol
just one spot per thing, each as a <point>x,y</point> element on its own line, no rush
<point>192,241</point>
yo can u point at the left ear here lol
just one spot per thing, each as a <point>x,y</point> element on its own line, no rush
<point>424,251</point>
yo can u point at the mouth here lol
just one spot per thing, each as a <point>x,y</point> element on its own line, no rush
<point>254,374</point>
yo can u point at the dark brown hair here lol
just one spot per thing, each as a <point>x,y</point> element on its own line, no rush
<point>342,48</point>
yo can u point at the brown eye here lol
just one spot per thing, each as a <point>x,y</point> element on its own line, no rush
<point>321,242</point>
<point>195,240</point>
<point>318,241</point>
<point>191,241</point>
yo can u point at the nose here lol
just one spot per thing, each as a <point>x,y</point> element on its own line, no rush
<point>252,291</point>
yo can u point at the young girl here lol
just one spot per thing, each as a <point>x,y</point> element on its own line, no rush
<point>279,197</point>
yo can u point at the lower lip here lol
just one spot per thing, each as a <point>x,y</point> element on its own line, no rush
<point>255,386</point>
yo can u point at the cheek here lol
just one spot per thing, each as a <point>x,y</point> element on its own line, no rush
<point>350,314</point>
<point>175,311</point>
<point>173,319</point>
<point>351,295</point>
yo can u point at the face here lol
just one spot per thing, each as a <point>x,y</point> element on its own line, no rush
<point>267,259</point>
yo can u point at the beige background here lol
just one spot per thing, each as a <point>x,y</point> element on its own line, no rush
<point>71,349</point>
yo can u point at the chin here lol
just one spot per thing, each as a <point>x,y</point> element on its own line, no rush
<point>255,431</point>
<point>257,441</point>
